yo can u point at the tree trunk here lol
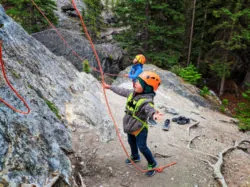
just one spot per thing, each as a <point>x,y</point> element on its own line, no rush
<point>188,20</point>
<point>147,13</point>
<point>247,78</point>
<point>222,83</point>
<point>191,34</point>
<point>202,36</point>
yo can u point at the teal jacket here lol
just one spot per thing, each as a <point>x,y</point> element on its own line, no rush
<point>135,71</point>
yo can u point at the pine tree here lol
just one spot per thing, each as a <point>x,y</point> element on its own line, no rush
<point>243,111</point>
<point>155,29</point>
<point>229,35</point>
<point>93,17</point>
<point>200,44</point>
<point>166,30</point>
<point>25,13</point>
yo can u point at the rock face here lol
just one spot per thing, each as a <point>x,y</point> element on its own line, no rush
<point>75,41</point>
<point>111,56</point>
<point>65,12</point>
<point>35,145</point>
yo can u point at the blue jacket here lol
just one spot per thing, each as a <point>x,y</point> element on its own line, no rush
<point>135,71</point>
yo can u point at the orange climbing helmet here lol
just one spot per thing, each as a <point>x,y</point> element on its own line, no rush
<point>151,79</point>
<point>140,58</point>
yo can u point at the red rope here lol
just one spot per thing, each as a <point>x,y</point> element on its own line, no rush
<point>66,43</point>
<point>12,88</point>
<point>159,169</point>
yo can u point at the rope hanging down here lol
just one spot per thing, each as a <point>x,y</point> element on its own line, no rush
<point>12,88</point>
<point>159,169</point>
<point>66,43</point>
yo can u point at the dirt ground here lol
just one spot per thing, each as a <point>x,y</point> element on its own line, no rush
<point>99,164</point>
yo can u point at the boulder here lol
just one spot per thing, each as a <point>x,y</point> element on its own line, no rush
<point>34,146</point>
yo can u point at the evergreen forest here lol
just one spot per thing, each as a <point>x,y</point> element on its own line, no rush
<point>204,42</point>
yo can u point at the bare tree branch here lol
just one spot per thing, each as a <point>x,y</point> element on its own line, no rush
<point>217,166</point>
<point>53,181</point>
<point>193,126</point>
<point>190,142</point>
<point>82,181</point>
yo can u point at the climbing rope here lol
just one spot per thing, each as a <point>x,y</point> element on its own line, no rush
<point>12,88</point>
<point>159,169</point>
<point>66,43</point>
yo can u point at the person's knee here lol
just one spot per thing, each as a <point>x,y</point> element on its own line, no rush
<point>142,148</point>
<point>131,139</point>
<point>131,142</point>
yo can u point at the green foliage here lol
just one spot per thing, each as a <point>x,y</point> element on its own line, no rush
<point>229,23</point>
<point>53,108</point>
<point>221,69</point>
<point>221,33</point>
<point>92,17</point>
<point>228,33</point>
<point>163,59</point>
<point>225,102</point>
<point>25,13</point>
<point>190,74</point>
<point>155,28</point>
<point>243,111</point>
<point>224,105</point>
<point>30,86</point>
<point>205,91</point>
<point>15,74</point>
<point>176,69</point>
<point>86,67</point>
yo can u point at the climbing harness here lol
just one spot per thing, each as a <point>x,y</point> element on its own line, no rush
<point>12,88</point>
<point>159,169</point>
<point>132,107</point>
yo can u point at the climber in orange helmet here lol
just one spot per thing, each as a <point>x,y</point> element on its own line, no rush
<point>137,67</point>
<point>139,108</point>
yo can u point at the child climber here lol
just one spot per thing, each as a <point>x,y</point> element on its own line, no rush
<point>139,108</point>
<point>137,68</point>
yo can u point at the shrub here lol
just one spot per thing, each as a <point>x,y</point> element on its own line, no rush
<point>53,108</point>
<point>224,105</point>
<point>92,17</point>
<point>25,13</point>
<point>176,69</point>
<point>190,74</point>
<point>204,91</point>
<point>86,66</point>
<point>243,111</point>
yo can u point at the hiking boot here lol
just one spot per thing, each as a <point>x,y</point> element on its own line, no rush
<point>166,125</point>
<point>128,161</point>
<point>152,122</point>
<point>183,120</point>
<point>175,119</point>
<point>151,172</point>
